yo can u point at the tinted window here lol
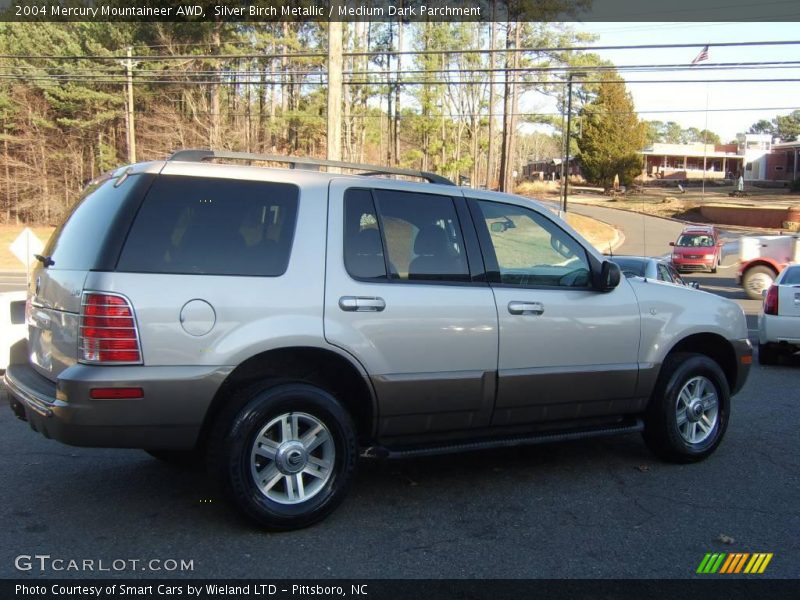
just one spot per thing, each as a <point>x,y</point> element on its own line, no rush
<point>422,236</point>
<point>363,249</point>
<point>213,227</point>
<point>531,250</point>
<point>78,242</point>
<point>791,277</point>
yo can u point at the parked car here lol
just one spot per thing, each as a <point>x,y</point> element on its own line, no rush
<point>280,322</point>
<point>698,248</point>
<point>779,321</point>
<point>652,268</point>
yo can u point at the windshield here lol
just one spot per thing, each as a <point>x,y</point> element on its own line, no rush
<point>695,241</point>
<point>631,267</point>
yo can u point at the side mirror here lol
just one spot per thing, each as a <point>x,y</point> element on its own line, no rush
<point>695,285</point>
<point>610,276</point>
<point>672,243</point>
<point>497,227</point>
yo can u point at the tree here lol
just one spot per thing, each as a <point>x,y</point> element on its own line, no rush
<point>672,133</point>
<point>612,135</point>
<point>788,126</point>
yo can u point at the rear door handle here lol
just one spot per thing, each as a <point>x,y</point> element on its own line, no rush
<point>525,308</point>
<point>362,303</point>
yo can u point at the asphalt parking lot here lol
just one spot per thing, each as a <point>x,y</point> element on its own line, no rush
<point>595,508</point>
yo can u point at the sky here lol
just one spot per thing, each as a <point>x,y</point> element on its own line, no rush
<point>696,96</point>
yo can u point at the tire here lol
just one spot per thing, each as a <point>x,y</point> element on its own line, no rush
<point>756,279</point>
<point>687,376</point>
<point>767,355</point>
<point>258,457</point>
<point>182,458</point>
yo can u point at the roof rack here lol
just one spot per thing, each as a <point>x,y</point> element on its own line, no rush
<point>301,162</point>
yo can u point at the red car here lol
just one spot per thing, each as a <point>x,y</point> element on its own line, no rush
<point>698,249</point>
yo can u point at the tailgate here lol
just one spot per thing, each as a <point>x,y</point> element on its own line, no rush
<point>53,320</point>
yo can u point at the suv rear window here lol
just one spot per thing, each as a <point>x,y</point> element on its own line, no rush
<point>91,232</point>
<point>213,227</point>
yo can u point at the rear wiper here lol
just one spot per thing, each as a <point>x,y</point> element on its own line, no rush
<point>45,260</point>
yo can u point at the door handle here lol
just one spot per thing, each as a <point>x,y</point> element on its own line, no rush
<point>362,303</point>
<point>525,308</point>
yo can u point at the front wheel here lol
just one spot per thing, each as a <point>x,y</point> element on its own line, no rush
<point>688,412</point>
<point>287,456</point>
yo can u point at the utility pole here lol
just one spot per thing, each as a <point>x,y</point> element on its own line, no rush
<point>335,90</point>
<point>130,125</point>
<point>565,165</point>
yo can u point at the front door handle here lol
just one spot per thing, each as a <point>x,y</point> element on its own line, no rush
<point>362,303</point>
<point>525,308</point>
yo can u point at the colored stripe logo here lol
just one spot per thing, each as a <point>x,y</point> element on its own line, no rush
<point>737,562</point>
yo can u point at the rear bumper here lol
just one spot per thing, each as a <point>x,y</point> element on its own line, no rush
<point>169,415</point>
<point>744,358</point>
<point>779,329</point>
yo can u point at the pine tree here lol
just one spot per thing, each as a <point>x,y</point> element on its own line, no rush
<point>612,135</point>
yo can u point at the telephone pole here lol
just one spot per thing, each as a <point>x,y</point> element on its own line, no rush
<point>335,90</point>
<point>129,121</point>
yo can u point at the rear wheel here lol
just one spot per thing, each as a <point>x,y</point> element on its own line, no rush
<point>287,456</point>
<point>757,279</point>
<point>688,412</point>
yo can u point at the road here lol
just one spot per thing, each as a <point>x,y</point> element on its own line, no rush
<point>11,281</point>
<point>599,508</point>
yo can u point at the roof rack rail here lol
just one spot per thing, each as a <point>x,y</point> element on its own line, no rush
<point>301,162</point>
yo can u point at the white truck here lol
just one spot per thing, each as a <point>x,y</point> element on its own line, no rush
<point>761,258</point>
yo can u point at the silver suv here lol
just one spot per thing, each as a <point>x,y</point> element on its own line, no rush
<point>278,322</point>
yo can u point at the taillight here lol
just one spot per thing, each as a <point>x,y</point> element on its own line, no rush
<point>771,301</point>
<point>108,333</point>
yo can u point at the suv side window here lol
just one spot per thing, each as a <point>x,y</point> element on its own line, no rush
<point>420,232</point>
<point>363,248</point>
<point>530,250</point>
<point>213,227</point>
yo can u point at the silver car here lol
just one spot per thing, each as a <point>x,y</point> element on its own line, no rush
<point>277,323</point>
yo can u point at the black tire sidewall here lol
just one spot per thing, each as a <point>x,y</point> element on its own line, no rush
<point>265,405</point>
<point>664,421</point>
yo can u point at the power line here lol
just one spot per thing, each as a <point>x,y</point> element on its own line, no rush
<point>432,82</point>
<point>388,52</point>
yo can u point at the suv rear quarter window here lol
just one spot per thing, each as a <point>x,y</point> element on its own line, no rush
<point>191,225</point>
<point>90,237</point>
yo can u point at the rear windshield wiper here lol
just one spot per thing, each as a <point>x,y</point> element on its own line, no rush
<point>45,260</point>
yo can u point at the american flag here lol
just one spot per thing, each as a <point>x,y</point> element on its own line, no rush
<point>702,56</point>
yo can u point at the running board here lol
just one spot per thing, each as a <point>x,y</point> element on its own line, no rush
<point>508,442</point>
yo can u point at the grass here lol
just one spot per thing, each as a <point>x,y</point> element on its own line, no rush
<point>600,235</point>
